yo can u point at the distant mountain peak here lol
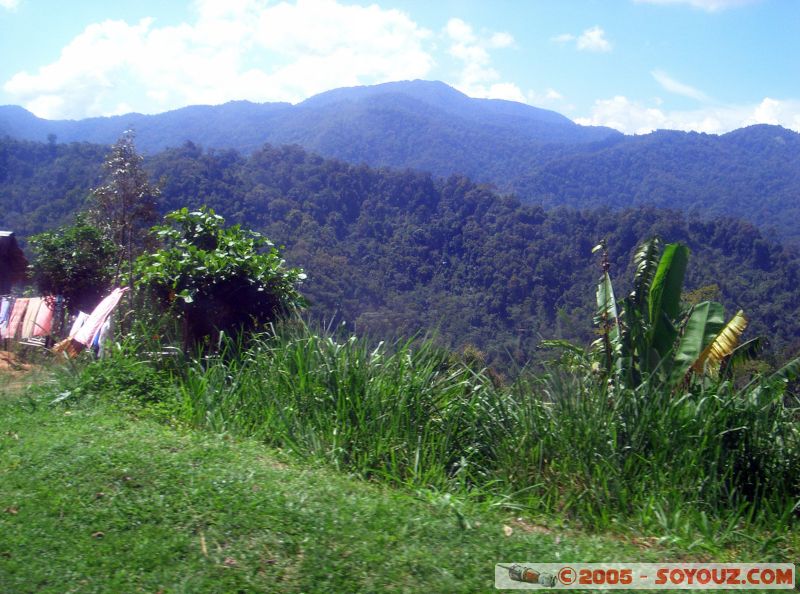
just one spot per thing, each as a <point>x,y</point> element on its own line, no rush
<point>428,89</point>
<point>439,95</point>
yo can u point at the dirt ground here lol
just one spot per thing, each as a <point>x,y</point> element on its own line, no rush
<point>14,374</point>
<point>9,363</point>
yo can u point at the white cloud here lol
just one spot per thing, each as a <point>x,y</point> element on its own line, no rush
<point>242,49</point>
<point>677,87</point>
<point>707,5</point>
<point>633,117</point>
<point>477,77</point>
<point>459,31</point>
<point>550,96</point>
<point>624,115</point>
<point>563,38</point>
<point>553,95</point>
<point>507,90</point>
<point>501,39</point>
<point>9,4</point>
<point>549,99</point>
<point>594,40</point>
<point>773,111</point>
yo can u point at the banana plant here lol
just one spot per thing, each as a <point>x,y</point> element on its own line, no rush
<point>648,335</point>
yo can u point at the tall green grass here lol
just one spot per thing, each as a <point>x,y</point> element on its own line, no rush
<point>406,413</point>
<point>716,459</point>
<point>647,454</point>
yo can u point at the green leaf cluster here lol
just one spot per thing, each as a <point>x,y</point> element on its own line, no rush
<point>74,261</point>
<point>217,278</point>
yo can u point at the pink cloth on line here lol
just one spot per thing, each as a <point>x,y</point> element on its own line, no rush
<point>26,331</point>
<point>92,325</point>
<point>20,305</point>
<point>44,319</point>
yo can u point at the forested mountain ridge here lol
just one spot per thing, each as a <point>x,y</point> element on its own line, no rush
<point>399,251</point>
<point>752,173</point>
<point>541,156</point>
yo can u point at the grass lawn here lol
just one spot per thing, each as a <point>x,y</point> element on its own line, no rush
<point>95,500</point>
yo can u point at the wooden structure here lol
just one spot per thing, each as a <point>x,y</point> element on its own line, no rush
<point>13,264</point>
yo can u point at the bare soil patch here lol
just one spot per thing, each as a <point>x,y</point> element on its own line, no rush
<point>10,363</point>
<point>14,373</point>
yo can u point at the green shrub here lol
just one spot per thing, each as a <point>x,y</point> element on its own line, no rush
<point>75,262</point>
<point>215,278</point>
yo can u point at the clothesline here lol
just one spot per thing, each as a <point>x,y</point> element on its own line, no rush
<point>24,318</point>
<point>27,317</point>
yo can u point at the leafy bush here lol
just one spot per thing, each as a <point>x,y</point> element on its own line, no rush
<point>218,279</point>
<point>126,379</point>
<point>74,261</point>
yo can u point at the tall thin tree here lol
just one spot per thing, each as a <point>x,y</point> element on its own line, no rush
<point>125,205</point>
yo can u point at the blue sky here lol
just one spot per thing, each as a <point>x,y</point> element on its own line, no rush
<point>636,65</point>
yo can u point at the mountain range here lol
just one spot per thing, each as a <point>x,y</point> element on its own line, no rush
<point>539,155</point>
<point>391,118</point>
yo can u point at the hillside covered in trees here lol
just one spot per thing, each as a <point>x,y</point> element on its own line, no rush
<point>541,156</point>
<point>398,252</point>
<point>752,173</point>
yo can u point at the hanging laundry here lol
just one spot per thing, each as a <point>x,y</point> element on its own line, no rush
<point>98,316</point>
<point>78,323</point>
<point>6,305</point>
<point>29,320</point>
<point>99,340</point>
<point>85,332</point>
<point>44,319</point>
<point>17,314</point>
<point>5,308</point>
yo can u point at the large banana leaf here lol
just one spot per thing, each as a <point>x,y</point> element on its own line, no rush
<point>665,297</point>
<point>606,302</point>
<point>645,261</point>
<point>787,373</point>
<point>704,324</point>
<point>723,344</point>
<point>630,334</point>
<point>606,319</point>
